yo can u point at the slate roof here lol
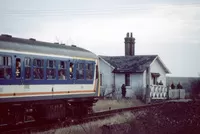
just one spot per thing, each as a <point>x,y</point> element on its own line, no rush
<point>130,64</point>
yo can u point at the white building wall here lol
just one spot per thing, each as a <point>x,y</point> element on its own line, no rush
<point>107,76</point>
<point>136,80</point>
<point>157,68</point>
<point>119,80</point>
<point>144,79</point>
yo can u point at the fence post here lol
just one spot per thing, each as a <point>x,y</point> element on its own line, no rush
<point>167,92</point>
<point>148,98</point>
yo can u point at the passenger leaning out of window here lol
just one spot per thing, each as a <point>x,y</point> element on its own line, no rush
<point>71,70</point>
<point>18,68</point>
<point>62,76</point>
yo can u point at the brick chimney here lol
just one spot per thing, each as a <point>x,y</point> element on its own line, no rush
<point>129,45</point>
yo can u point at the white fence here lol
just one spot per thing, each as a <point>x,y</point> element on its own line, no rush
<point>161,92</point>
<point>158,92</point>
<point>176,93</point>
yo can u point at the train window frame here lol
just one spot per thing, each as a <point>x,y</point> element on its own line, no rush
<point>91,71</point>
<point>62,68</point>
<point>38,67</point>
<point>5,65</point>
<point>29,65</point>
<point>52,69</point>
<point>80,70</point>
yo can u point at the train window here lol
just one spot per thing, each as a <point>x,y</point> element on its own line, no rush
<point>89,71</point>
<point>38,69</point>
<point>18,68</point>
<point>5,61</point>
<point>51,69</point>
<point>27,65</point>
<point>71,69</point>
<point>5,67</point>
<point>62,70</point>
<point>80,71</point>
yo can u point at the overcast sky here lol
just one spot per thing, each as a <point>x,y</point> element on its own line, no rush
<point>170,28</point>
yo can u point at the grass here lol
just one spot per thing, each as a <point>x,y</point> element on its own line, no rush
<point>92,127</point>
<point>116,104</point>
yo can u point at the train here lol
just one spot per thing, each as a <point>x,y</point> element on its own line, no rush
<point>45,81</point>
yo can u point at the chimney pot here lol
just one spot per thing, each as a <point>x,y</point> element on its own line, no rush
<point>127,35</point>
<point>131,35</point>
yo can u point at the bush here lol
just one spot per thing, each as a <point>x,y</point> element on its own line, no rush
<point>195,86</point>
<point>139,93</point>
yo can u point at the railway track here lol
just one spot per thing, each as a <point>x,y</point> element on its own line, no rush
<point>33,126</point>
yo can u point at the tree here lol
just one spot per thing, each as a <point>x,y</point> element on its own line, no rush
<point>195,87</point>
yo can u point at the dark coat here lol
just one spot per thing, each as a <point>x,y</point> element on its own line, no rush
<point>123,89</point>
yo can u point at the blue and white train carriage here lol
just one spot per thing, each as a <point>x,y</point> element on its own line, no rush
<point>45,80</point>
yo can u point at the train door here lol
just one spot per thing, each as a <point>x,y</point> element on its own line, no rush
<point>18,69</point>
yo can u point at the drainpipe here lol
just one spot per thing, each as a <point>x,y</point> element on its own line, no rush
<point>114,90</point>
<point>148,99</point>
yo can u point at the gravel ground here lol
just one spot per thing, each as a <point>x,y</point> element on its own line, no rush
<point>171,118</point>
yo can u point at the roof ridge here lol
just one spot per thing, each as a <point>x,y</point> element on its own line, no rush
<point>126,56</point>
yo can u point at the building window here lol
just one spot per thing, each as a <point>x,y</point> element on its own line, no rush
<point>89,71</point>
<point>62,70</point>
<point>5,67</point>
<point>100,79</point>
<point>38,69</point>
<point>127,79</point>
<point>51,69</point>
<point>80,71</point>
<point>27,65</point>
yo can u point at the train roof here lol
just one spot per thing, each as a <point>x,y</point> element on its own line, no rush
<point>31,45</point>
